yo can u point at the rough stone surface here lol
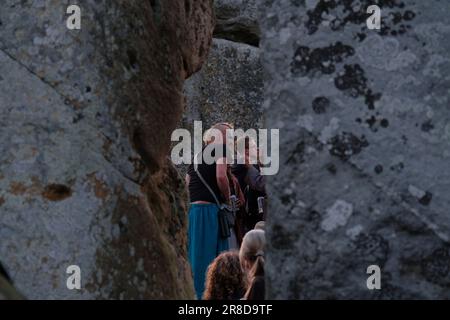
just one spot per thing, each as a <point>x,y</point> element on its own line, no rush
<point>86,118</point>
<point>365,147</point>
<point>237,20</point>
<point>228,88</point>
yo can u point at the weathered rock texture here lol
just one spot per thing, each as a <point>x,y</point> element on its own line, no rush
<point>365,148</point>
<point>228,88</point>
<point>86,118</point>
<point>237,20</point>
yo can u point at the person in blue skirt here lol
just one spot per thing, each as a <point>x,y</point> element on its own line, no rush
<point>204,241</point>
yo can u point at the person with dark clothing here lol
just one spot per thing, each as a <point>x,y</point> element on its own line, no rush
<point>208,184</point>
<point>253,185</point>
<point>253,188</point>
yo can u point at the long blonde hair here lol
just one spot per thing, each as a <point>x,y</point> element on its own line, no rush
<point>251,255</point>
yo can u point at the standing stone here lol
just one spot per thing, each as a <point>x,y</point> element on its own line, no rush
<point>228,88</point>
<point>365,148</point>
<point>86,118</point>
<point>237,20</point>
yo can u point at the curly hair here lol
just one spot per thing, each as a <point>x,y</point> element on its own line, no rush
<point>224,278</point>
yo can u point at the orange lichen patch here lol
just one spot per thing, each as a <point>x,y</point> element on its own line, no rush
<point>100,189</point>
<point>52,192</point>
<point>56,192</point>
<point>17,188</point>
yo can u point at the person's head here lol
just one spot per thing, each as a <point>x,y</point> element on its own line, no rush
<point>251,254</point>
<point>217,133</point>
<point>261,225</point>
<point>224,278</point>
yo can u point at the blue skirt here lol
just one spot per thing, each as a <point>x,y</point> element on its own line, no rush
<point>204,241</point>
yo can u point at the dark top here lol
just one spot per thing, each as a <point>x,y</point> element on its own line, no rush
<point>257,289</point>
<point>252,185</point>
<point>197,190</point>
<point>240,172</point>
